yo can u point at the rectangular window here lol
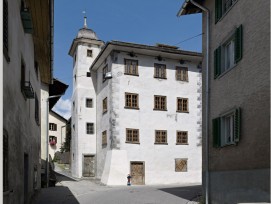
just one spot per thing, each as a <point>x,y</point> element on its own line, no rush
<point>90,128</point>
<point>105,105</point>
<point>37,117</point>
<point>160,103</point>
<point>181,165</point>
<point>52,126</point>
<point>182,105</point>
<point>131,100</point>
<point>89,53</point>
<point>89,103</point>
<point>88,74</point>
<point>160,71</point>
<point>131,67</point>
<point>181,73</point>
<point>52,140</point>
<point>105,70</point>
<point>221,7</point>
<point>227,128</point>
<point>5,29</point>
<point>104,138</point>
<point>132,135</point>
<point>182,137</point>
<point>160,137</point>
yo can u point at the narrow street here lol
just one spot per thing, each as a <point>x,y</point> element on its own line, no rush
<point>72,191</point>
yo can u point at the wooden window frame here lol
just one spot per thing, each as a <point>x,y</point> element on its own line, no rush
<point>88,101</point>
<point>180,108</point>
<point>129,70</point>
<point>104,138</point>
<point>180,140</point>
<point>105,105</point>
<point>131,139</point>
<point>158,105</point>
<point>89,131</point>
<point>184,162</point>
<point>160,71</point>
<point>159,137</point>
<point>131,101</point>
<point>182,73</point>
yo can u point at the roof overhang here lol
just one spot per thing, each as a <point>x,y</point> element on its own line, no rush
<point>59,116</point>
<point>189,8</point>
<point>140,49</point>
<point>42,19</point>
<point>55,89</point>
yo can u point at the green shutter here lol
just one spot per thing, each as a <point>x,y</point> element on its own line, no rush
<point>238,45</point>
<point>216,133</point>
<point>237,124</point>
<point>218,10</point>
<point>217,62</point>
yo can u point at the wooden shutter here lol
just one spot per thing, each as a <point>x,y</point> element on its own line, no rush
<point>218,10</point>
<point>238,45</point>
<point>237,124</point>
<point>217,62</point>
<point>216,132</point>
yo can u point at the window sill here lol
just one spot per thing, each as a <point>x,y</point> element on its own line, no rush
<point>225,72</point>
<point>131,74</point>
<point>132,142</point>
<point>159,77</point>
<point>182,111</point>
<point>104,112</point>
<point>182,80</point>
<point>160,143</point>
<point>127,107</point>
<point>182,144</point>
<point>159,109</point>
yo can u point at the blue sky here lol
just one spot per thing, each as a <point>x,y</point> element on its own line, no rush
<point>139,21</point>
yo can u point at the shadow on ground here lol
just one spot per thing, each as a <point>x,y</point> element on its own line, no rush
<point>187,192</point>
<point>61,177</point>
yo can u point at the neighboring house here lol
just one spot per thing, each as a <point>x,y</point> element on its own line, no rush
<point>137,112</point>
<point>236,99</point>
<point>27,62</point>
<point>57,132</point>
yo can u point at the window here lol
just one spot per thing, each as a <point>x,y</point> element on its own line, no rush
<point>131,100</point>
<point>131,67</point>
<point>89,103</point>
<point>37,117</point>
<point>160,137</point>
<point>52,140</point>
<point>5,29</point>
<point>160,71</point>
<point>104,138</point>
<point>221,7</point>
<point>181,137</point>
<point>181,73</point>
<point>160,103</point>
<point>89,53</point>
<point>88,74</point>
<point>227,128</point>
<point>180,165</point>
<point>90,128</point>
<point>132,135</point>
<point>52,126</point>
<point>105,70</point>
<point>5,161</point>
<point>36,65</point>
<point>182,104</point>
<point>229,53</point>
<point>105,105</point>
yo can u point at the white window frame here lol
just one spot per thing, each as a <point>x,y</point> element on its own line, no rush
<point>228,54</point>
<point>227,129</point>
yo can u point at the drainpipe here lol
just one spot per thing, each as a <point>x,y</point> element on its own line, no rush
<point>207,102</point>
<point>51,4</point>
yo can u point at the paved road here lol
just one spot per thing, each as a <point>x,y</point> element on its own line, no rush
<point>72,191</point>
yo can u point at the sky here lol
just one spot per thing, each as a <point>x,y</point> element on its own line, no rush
<point>137,21</point>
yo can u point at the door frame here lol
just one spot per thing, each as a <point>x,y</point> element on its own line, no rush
<point>93,155</point>
<point>141,162</point>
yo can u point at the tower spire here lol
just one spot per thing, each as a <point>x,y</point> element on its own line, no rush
<point>85,20</point>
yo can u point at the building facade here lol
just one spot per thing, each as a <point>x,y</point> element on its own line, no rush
<point>26,64</point>
<point>236,99</point>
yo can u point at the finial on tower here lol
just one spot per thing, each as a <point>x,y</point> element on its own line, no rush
<point>85,19</point>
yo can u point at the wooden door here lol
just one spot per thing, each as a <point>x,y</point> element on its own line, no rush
<point>137,173</point>
<point>88,166</point>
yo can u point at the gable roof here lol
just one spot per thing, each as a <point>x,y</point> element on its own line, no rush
<point>59,116</point>
<point>189,8</point>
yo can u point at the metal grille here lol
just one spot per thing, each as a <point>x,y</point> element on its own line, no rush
<point>180,165</point>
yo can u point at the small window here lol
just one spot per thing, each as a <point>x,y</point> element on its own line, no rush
<point>181,165</point>
<point>90,128</point>
<point>131,100</point>
<point>182,105</point>
<point>160,103</point>
<point>160,137</point>
<point>160,71</point>
<point>52,140</point>
<point>132,135</point>
<point>52,126</point>
<point>88,74</point>
<point>181,73</point>
<point>221,8</point>
<point>182,137</point>
<point>131,67</point>
<point>37,115</point>
<point>89,53</point>
<point>104,138</point>
<point>89,103</point>
<point>105,70</point>
<point>105,105</point>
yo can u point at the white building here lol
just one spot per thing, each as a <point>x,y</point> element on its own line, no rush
<point>145,118</point>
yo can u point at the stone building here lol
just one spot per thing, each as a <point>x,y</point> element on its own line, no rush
<point>236,99</point>
<point>136,110</point>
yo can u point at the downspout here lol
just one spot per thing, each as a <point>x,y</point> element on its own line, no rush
<point>207,102</point>
<point>51,4</point>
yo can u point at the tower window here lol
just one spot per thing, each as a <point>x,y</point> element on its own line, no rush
<point>89,53</point>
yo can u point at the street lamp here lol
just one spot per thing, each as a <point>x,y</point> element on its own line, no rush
<point>47,138</point>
